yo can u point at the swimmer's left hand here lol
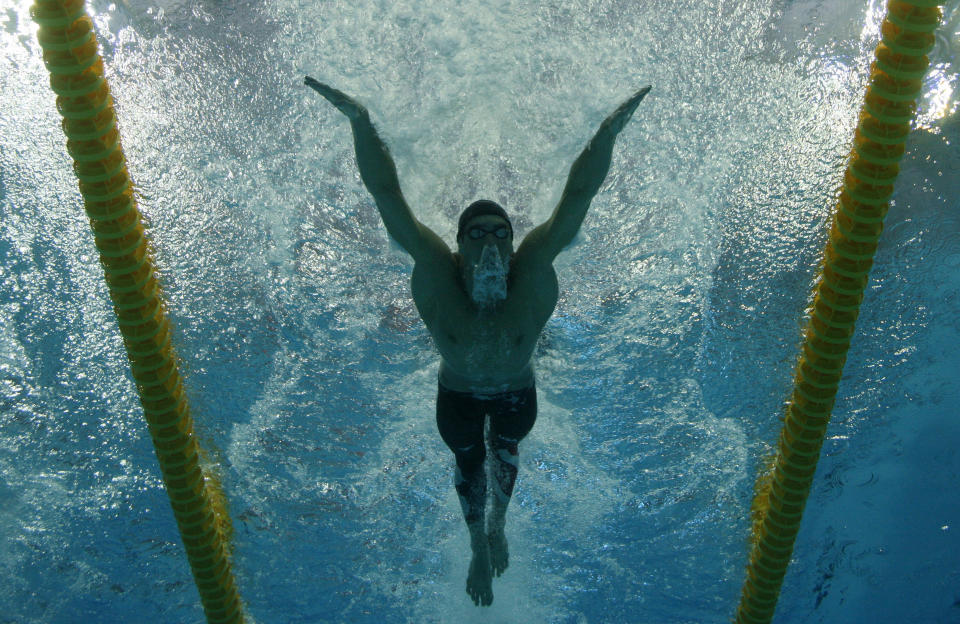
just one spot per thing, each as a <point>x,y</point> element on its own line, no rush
<point>619,118</point>
<point>590,169</point>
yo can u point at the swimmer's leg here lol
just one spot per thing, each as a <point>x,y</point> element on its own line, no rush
<point>508,426</point>
<point>506,460</point>
<point>470,480</point>
<point>460,422</point>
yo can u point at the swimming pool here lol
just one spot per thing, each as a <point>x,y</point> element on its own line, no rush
<point>662,374</point>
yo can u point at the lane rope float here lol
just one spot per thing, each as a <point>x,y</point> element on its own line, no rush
<point>896,80</point>
<point>69,45</point>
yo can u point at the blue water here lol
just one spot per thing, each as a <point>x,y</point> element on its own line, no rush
<point>662,374</point>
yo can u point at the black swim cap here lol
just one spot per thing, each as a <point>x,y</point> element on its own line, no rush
<point>479,208</point>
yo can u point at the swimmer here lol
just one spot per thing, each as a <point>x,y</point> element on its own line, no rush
<point>484,306</point>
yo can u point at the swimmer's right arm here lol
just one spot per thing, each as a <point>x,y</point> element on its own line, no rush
<point>379,174</point>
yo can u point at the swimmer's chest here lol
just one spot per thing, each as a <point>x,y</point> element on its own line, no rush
<point>500,335</point>
<point>504,336</point>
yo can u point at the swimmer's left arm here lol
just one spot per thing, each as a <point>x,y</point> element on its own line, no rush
<point>586,175</point>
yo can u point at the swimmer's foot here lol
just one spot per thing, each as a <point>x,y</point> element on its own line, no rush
<point>480,579</point>
<point>499,554</point>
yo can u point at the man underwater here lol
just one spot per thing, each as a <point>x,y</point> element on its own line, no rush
<point>484,306</point>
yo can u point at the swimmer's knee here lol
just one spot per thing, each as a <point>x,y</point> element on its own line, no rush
<point>508,456</point>
<point>501,442</point>
<point>469,458</point>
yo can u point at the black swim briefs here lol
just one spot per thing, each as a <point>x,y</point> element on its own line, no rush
<point>460,419</point>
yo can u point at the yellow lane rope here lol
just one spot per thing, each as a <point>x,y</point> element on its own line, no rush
<point>70,53</point>
<point>900,63</point>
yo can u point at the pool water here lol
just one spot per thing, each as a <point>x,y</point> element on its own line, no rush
<point>662,374</point>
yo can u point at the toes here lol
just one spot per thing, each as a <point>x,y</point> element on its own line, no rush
<point>481,598</point>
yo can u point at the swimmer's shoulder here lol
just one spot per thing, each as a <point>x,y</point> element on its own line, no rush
<point>534,278</point>
<point>436,277</point>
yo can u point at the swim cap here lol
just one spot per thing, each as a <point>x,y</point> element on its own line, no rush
<point>479,208</point>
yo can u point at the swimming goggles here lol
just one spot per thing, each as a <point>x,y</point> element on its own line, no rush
<point>478,231</point>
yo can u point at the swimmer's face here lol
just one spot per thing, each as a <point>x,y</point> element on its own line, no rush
<point>486,247</point>
<point>484,231</point>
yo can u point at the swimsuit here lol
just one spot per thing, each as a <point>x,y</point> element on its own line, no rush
<point>460,419</point>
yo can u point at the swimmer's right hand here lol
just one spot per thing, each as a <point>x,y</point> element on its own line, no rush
<point>344,103</point>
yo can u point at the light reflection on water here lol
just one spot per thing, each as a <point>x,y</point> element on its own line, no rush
<point>661,375</point>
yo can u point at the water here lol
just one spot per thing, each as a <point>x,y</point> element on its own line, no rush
<point>662,373</point>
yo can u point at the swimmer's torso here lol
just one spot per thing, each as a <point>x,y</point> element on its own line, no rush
<point>485,352</point>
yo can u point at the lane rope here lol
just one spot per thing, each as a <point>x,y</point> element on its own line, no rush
<point>70,53</point>
<point>896,80</point>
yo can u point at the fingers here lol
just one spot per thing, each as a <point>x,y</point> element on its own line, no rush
<point>344,103</point>
<point>639,95</point>
<point>337,98</point>
<point>325,90</point>
<point>634,101</point>
<point>622,115</point>
<point>317,86</point>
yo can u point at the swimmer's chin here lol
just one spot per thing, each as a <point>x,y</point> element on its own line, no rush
<point>488,293</point>
<point>489,290</point>
<point>487,303</point>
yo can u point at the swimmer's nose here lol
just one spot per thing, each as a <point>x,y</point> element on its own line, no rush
<point>490,250</point>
